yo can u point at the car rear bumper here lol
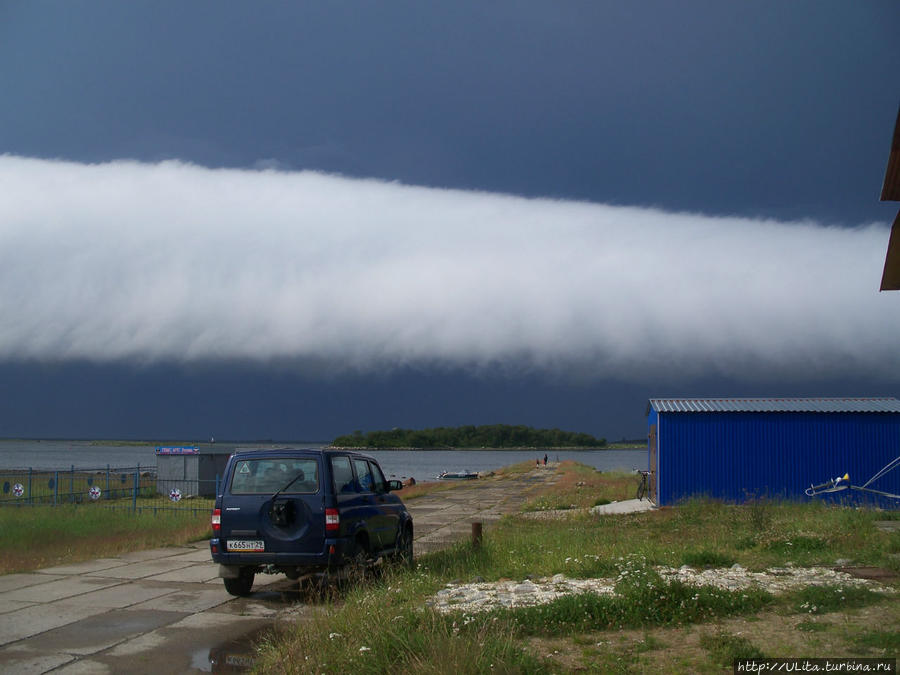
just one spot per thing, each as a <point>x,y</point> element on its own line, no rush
<point>334,554</point>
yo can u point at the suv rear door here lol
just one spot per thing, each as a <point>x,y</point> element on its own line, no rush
<point>382,517</point>
<point>257,518</point>
<point>354,504</point>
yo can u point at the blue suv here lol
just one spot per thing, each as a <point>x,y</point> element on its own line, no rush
<point>305,511</point>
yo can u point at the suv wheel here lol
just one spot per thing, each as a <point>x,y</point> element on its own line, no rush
<point>357,562</point>
<point>404,553</point>
<point>241,585</point>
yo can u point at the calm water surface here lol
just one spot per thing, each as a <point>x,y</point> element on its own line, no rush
<point>422,464</point>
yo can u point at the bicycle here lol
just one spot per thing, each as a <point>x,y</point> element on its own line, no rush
<point>644,485</point>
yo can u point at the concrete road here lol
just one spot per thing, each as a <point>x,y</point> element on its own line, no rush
<point>166,610</point>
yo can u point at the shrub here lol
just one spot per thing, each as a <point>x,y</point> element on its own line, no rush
<point>822,599</point>
<point>725,648</point>
<point>642,598</point>
<point>706,558</point>
<point>886,641</point>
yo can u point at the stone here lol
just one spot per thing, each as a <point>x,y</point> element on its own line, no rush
<point>506,593</point>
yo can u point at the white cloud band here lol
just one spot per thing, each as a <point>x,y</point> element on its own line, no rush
<point>172,261</point>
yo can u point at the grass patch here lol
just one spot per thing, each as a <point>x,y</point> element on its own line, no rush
<point>649,644</point>
<point>515,469</point>
<point>376,630</point>
<point>642,598</point>
<point>401,634</point>
<point>43,536</point>
<point>824,599</point>
<point>549,503</point>
<point>706,558</point>
<point>884,641</point>
<point>580,487</point>
<point>798,545</point>
<point>724,648</point>
<point>422,489</point>
<point>813,627</point>
<point>384,627</point>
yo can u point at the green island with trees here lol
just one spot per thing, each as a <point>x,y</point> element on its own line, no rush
<point>487,436</point>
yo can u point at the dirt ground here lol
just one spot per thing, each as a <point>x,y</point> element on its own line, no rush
<point>774,633</point>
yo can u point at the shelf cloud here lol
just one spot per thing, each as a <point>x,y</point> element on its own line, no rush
<point>125,261</point>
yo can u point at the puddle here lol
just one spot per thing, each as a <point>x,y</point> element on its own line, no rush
<point>237,655</point>
<point>282,602</point>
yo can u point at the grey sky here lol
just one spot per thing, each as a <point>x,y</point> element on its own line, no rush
<point>767,110</point>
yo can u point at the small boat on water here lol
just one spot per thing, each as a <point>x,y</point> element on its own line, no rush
<point>456,475</point>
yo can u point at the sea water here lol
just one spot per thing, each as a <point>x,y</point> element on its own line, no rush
<point>420,464</point>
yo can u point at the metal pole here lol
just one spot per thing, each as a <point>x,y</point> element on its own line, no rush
<point>107,481</point>
<point>30,493</point>
<point>134,493</point>
<point>72,484</point>
<point>56,488</point>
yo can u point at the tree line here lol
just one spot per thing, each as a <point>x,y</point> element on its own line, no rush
<point>488,436</point>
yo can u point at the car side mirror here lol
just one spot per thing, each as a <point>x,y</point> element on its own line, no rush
<point>394,485</point>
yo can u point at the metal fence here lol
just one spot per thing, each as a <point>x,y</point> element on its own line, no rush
<point>135,488</point>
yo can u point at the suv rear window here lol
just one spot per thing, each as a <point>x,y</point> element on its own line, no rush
<point>363,475</point>
<point>343,475</point>
<point>271,474</point>
<point>378,478</point>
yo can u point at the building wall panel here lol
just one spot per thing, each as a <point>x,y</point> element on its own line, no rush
<point>736,456</point>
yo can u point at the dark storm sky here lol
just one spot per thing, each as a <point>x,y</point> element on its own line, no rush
<point>778,110</point>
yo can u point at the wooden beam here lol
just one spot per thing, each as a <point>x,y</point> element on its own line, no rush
<point>890,191</point>
<point>890,279</point>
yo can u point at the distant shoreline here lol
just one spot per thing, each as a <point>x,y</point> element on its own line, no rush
<point>160,441</point>
<point>565,448</point>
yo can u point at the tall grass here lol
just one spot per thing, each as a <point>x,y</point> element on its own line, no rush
<point>642,598</point>
<point>390,627</point>
<point>42,536</point>
<point>724,648</point>
<point>578,487</point>
<point>73,486</point>
<point>385,629</point>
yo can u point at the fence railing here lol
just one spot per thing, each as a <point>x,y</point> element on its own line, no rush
<point>136,488</point>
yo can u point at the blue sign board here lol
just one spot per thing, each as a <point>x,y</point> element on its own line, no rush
<point>192,450</point>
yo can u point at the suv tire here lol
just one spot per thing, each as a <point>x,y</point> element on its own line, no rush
<point>240,586</point>
<point>404,553</point>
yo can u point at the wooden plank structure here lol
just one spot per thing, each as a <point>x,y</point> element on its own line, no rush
<point>890,191</point>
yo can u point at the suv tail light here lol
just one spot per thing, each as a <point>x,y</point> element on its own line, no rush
<point>332,520</point>
<point>216,520</point>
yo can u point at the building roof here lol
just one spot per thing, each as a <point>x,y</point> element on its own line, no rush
<point>887,404</point>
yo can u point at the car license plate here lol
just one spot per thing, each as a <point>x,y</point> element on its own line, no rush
<point>253,546</point>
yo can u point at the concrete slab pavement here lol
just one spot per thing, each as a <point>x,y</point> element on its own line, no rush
<point>166,610</point>
<point>85,567</point>
<point>11,582</point>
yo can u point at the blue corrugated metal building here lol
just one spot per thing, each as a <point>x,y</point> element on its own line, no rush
<point>739,448</point>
